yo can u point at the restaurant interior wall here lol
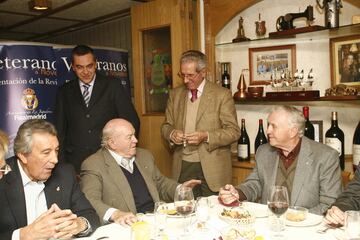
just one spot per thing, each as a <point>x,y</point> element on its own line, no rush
<point>312,53</point>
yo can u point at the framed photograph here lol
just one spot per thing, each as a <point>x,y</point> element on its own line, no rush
<point>318,127</point>
<point>345,60</point>
<point>265,61</point>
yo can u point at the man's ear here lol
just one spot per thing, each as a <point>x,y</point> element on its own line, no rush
<point>22,158</point>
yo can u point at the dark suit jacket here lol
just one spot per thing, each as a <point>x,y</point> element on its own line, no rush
<point>350,198</point>
<point>61,188</point>
<point>79,127</point>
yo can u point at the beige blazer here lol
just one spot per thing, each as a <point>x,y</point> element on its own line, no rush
<point>217,116</point>
<point>106,186</point>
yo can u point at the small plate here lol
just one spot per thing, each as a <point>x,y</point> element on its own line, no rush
<point>311,220</point>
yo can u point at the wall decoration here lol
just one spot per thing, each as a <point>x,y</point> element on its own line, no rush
<point>269,62</point>
<point>345,60</point>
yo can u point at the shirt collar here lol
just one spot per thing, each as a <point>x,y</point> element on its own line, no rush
<point>200,89</point>
<point>90,83</point>
<point>292,154</point>
<point>25,178</point>
<point>126,163</point>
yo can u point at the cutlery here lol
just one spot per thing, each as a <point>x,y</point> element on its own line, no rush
<point>323,230</point>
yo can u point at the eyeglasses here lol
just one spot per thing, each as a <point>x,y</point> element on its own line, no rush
<point>189,76</point>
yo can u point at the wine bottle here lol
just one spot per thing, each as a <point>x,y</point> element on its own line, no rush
<point>334,138</point>
<point>225,77</point>
<point>309,130</point>
<point>356,147</point>
<point>243,144</point>
<point>260,137</point>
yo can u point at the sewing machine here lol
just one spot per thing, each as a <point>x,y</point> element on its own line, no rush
<point>286,22</point>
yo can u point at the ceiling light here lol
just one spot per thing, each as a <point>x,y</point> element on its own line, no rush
<point>39,5</point>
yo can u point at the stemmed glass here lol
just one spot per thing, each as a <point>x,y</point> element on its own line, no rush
<point>160,209</point>
<point>184,203</point>
<point>202,212</point>
<point>278,203</point>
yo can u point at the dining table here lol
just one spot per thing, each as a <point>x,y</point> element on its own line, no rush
<point>312,228</point>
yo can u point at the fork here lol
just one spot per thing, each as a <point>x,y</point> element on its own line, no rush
<point>323,230</point>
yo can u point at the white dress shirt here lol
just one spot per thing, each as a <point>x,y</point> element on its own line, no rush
<point>91,86</point>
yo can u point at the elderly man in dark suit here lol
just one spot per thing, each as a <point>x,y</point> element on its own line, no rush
<point>121,179</point>
<point>310,170</point>
<point>40,199</point>
<point>84,105</point>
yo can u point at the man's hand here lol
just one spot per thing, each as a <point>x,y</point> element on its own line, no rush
<point>47,224</point>
<point>196,138</point>
<point>228,194</point>
<point>191,183</point>
<point>334,216</point>
<point>177,137</point>
<point>123,218</point>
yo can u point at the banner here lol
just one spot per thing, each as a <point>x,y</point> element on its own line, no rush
<point>30,75</point>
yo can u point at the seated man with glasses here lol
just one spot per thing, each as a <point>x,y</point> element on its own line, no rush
<point>200,126</point>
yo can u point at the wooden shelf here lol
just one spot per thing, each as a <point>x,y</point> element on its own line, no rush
<point>345,30</point>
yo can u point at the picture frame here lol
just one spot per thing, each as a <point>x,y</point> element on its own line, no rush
<point>318,129</point>
<point>345,60</point>
<point>265,61</point>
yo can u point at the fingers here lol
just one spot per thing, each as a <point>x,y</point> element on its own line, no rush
<point>334,216</point>
<point>177,137</point>
<point>126,220</point>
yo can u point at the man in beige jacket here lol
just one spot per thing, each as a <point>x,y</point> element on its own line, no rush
<point>200,126</point>
<point>120,179</point>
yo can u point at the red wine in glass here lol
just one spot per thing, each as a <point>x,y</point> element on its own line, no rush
<point>278,208</point>
<point>184,210</point>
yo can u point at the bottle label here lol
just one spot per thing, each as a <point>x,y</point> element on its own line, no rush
<point>335,143</point>
<point>356,154</point>
<point>243,151</point>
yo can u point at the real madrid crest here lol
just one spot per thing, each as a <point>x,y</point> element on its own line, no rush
<point>29,99</point>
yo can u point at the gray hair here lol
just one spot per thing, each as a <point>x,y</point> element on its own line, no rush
<point>4,144</point>
<point>194,56</point>
<point>107,133</point>
<point>296,117</point>
<point>23,139</point>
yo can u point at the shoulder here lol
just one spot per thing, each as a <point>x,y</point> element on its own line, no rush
<point>96,158</point>
<point>320,150</point>
<point>144,154</point>
<point>70,84</point>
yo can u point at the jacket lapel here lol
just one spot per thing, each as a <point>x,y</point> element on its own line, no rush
<point>15,194</point>
<point>97,90</point>
<point>142,166</point>
<point>182,107</point>
<point>303,170</point>
<point>119,179</point>
<point>205,100</point>
<point>53,191</point>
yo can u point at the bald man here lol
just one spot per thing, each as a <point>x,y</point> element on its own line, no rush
<point>121,178</point>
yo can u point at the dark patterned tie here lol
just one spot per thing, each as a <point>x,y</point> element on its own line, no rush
<point>86,94</point>
<point>193,95</point>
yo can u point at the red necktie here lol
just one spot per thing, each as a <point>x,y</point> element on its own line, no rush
<point>193,95</point>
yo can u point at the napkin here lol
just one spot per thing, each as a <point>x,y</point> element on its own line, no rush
<point>232,204</point>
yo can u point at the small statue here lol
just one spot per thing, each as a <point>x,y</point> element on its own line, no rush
<point>260,27</point>
<point>241,33</point>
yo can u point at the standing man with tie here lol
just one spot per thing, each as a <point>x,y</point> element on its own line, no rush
<point>200,125</point>
<point>84,105</point>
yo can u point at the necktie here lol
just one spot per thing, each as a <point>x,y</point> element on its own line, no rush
<point>86,94</point>
<point>193,95</point>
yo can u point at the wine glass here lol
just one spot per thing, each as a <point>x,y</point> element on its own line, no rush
<point>184,202</point>
<point>278,203</point>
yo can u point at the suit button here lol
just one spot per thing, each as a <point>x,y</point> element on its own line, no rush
<point>89,131</point>
<point>87,115</point>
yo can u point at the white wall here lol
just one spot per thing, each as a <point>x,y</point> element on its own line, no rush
<point>310,53</point>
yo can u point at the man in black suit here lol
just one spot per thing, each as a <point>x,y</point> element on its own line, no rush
<point>40,199</point>
<point>84,105</point>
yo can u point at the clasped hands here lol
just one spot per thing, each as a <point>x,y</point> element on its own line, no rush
<point>195,138</point>
<point>334,217</point>
<point>54,223</point>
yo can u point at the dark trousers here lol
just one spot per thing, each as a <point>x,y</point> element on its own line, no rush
<point>193,170</point>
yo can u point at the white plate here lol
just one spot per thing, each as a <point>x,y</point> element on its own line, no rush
<point>258,210</point>
<point>311,220</point>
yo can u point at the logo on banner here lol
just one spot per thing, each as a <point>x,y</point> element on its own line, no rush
<point>29,99</point>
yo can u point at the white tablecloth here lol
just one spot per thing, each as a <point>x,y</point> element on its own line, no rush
<point>175,226</point>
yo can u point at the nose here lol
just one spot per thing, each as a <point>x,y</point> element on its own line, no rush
<point>134,139</point>
<point>54,157</point>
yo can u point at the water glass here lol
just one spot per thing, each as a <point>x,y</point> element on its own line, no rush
<point>352,225</point>
<point>202,211</point>
<point>160,214</point>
